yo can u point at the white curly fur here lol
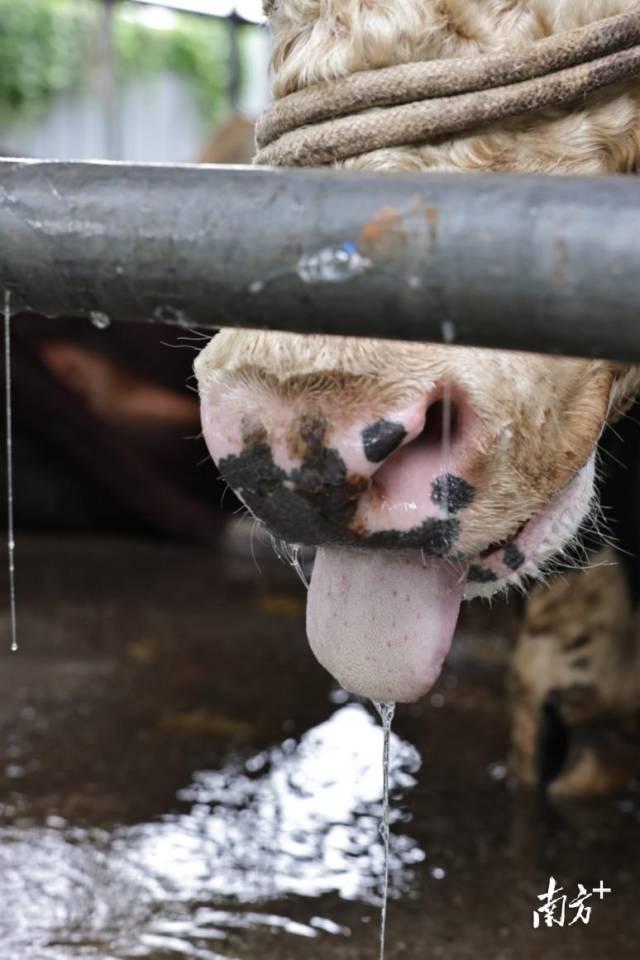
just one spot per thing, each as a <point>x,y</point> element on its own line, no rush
<point>323,39</point>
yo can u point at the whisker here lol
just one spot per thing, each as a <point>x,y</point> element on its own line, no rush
<point>180,346</point>
<point>251,536</point>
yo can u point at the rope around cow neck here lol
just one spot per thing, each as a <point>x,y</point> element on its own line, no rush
<point>420,102</point>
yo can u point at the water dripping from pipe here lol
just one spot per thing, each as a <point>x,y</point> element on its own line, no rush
<point>11,542</point>
<point>448,335</point>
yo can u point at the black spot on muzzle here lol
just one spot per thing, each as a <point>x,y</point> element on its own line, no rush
<point>452,493</point>
<point>513,557</point>
<point>381,438</point>
<point>316,503</point>
<point>311,504</point>
<point>478,574</point>
<point>435,537</point>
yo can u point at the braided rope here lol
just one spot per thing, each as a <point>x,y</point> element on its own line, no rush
<point>418,102</point>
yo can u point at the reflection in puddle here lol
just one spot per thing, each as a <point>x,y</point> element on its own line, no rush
<point>298,819</point>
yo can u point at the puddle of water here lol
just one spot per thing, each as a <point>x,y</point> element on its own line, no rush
<point>271,850</point>
<point>301,818</point>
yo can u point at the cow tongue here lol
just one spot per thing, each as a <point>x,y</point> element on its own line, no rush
<point>382,622</point>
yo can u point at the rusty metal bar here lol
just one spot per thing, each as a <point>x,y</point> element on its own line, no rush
<point>516,262</point>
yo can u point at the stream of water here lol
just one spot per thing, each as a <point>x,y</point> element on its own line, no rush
<point>386,711</point>
<point>291,554</point>
<point>448,334</point>
<point>11,542</point>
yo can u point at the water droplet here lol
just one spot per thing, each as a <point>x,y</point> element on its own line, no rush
<point>437,700</point>
<point>172,315</point>
<point>338,696</point>
<point>99,319</point>
<point>448,331</point>
<point>257,763</point>
<point>56,823</point>
<point>497,771</point>
<point>14,771</point>
<point>332,265</point>
<point>438,873</point>
<point>256,287</point>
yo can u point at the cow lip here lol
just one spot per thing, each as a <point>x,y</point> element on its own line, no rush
<point>535,542</point>
<point>495,548</point>
<point>531,544</point>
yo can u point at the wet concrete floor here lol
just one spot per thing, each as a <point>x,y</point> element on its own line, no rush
<point>180,779</point>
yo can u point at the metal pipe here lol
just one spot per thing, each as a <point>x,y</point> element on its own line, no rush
<point>530,263</point>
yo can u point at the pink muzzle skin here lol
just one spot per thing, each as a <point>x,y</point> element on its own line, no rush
<point>398,482</point>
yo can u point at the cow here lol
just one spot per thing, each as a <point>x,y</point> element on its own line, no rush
<point>338,442</point>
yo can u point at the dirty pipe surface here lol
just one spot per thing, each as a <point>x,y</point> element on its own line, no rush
<point>514,262</point>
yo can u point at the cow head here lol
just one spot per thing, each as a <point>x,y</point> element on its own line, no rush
<point>424,473</point>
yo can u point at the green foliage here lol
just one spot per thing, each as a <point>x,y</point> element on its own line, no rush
<point>48,47</point>
<point>196,49</point>
<point>41,54</point>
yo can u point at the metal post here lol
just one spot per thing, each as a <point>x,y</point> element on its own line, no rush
<point>529,263</point>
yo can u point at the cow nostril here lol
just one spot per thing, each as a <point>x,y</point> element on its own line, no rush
<point>381,438</point>
<point>441,427</point>
<point>433,453</point>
